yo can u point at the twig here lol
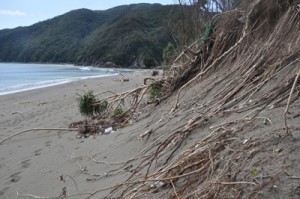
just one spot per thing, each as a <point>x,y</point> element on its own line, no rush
<point>199,75</point>
<point>106,92</point>
<point>60,196</point>
<point>100,176</point>
<point>150,180</point>
<point>81,168</point>
<point>233,183</point>
<point>73,182</point>
<point>105,162</point>
<point>38,129</point>
<point>57,197</point>
<point>294,177</point>
<point>32,196</point>
<point>174,189</point>
<point>288,103</point>
<point>212,164</point>
<point>146,133</point>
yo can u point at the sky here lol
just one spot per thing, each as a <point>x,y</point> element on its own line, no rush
<point>14,13</point>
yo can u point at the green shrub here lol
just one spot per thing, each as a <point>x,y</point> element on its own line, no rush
<point>168,53</point>
<point>154,92</point>
<point>88,105</point>
<point>118,111</point>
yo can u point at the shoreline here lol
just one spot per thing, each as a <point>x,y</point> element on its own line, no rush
<point>61,82</point>
<point>21,83</point>
<point>119,72</point>
<point>32,163</point>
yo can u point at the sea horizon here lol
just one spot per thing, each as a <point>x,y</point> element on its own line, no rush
<point>19,77</point>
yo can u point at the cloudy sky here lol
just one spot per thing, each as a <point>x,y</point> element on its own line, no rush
<point>14,13</point>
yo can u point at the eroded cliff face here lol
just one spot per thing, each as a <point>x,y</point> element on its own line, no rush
<point>224,122</point>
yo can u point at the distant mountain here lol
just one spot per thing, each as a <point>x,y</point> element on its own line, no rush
<point>131,35</point>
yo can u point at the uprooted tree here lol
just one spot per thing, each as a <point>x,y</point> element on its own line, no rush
<point>249,63</point>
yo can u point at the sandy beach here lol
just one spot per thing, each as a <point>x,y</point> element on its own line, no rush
<point>56,164</point>
<point>47,163</point>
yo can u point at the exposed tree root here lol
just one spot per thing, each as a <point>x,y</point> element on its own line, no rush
<point>241,71</point>
<point>258,75</point>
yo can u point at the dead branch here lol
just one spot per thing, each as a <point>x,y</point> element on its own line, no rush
<point>288,103</point>
<point>199,75</point>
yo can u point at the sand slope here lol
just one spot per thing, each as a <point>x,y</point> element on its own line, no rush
<point>46,164</point>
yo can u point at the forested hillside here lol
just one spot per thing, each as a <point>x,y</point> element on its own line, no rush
<point>133,35</point>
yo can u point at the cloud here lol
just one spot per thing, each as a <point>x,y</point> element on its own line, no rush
<point>12,12</point>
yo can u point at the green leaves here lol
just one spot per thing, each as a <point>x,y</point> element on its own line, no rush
<point>253,171</point>
<point>154,92</point>
<point>88,105</point>
<point>205,35</point>
<point>168,52</point>
<point>118,111</point>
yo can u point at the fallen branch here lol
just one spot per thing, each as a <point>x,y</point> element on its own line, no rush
<point>174,189</point>
<point>234,183</point>
<point>146,133</point>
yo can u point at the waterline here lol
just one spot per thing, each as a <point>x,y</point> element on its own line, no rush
<point>15,77</point>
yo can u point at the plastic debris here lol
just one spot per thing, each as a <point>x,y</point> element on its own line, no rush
<point>109,130</point>
<point>159,184</point>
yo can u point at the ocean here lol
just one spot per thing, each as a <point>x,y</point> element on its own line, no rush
<point>16,77</point>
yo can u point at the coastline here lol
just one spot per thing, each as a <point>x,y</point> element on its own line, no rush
<point>32,163</point>
<point>17,78</point>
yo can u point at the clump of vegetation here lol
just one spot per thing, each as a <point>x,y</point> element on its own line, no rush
<point>118,111</point>
<point>88,105</point>
<point>154,92</point>
<point>168,53</point>
<point>205,35</point>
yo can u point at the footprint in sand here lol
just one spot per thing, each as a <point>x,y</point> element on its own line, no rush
<point>2,191</point>
<point>48,143</point>
<point>14,177</point>
<point>25,164</point>
<point>38,152</point>
<point>2,164</point>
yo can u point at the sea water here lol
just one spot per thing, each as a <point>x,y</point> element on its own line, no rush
<point>16,77</point>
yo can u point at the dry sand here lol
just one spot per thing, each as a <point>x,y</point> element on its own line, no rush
<point>33,163</point>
